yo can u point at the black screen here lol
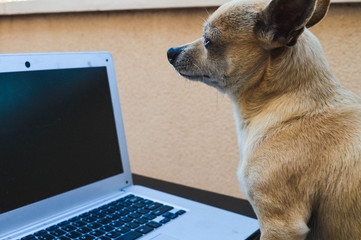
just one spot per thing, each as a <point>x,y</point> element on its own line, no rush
<point>57,133</point>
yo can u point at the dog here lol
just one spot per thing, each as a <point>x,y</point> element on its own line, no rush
<point>299,129</point>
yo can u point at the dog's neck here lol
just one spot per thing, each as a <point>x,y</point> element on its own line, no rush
<point>294,81</point>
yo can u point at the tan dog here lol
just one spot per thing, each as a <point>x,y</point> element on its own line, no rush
<point>299,129</point>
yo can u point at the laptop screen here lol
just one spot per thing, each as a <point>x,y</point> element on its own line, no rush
<point>57,133</point>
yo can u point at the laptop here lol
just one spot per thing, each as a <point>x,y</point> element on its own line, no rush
<point>64,167</point>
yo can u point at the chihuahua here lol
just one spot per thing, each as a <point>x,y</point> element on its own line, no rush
<point>299,129</point>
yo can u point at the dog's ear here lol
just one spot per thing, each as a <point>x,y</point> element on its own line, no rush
<point>283,21</point>
<point>320,12</point>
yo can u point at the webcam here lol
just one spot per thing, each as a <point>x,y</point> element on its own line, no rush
<point>27,64</point>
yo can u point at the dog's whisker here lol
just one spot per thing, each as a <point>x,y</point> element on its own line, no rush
<point>203,19</point>
<point>200,70</point>
<point>207,12</point>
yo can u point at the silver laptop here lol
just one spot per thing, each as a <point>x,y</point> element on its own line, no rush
<point>64,167</point>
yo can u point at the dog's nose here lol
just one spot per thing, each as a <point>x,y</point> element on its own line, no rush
<point>173,53</point>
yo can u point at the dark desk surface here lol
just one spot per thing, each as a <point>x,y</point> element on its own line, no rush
<point>214,199</point>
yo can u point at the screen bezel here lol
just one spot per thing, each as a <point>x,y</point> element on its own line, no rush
<point>29,214</point>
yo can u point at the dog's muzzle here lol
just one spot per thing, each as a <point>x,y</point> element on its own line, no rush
<point>173,53</point>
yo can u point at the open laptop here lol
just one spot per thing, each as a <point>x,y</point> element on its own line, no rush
<point>64,167</point>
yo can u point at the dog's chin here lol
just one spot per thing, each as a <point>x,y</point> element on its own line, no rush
<point>195,77</point>
<point>202,78</point>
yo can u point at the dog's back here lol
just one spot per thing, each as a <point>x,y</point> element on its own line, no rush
<point>313,163</point>
<point>302,151</point>
<point>336,207</point>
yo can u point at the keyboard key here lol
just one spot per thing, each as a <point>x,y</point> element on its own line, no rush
<point>104,238</point>
<point>49,229</point>
<point>149,216</point>
<point>94,225</point>
<point>139,205</point>
<point>46,237</point>
<point>153,224</point>
<point>126,204</point>
<point>117,207</point>
<point>115,216</point>
<point>64,238</point>
<point>162,210</point>
<point>143,211</point>
<point>122,212</point>
<point>141,220</point>
<point>164,220</point>
<point>116,223</point>
<point>131,209</point>
<point>147,201</point>
<point>180,212</point>
<point>64,223</point>
<point>132,225</point>
<point>154,206</point>
<point>30,237</point>
<point>119,204</point>
<point>134,199</point>
<point>98,215</point>
<point>126,219</point>
<point>57,232</point>
<point>89,219</point>
<point>84,215</point>
<point>122,229</point>
<point>108,211</point>
<point>41,232</point>
<point>130,236</point>
<point>170,215</point>
<point>97,233</point>
<point>105,220</point>
<point>86,237</point>
<point>73,235</point>
<point>68,228</point>
<point>135,215</point>
<point>144,229</point>
<point>84,230</point>
<point>113,234</point>
<point>106,228</point>
<point>79,224</point>
<point>74,219</point>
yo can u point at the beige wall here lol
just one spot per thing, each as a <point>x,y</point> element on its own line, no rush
<point>176,130</point>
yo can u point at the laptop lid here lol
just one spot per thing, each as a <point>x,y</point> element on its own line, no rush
<point>62,139</point>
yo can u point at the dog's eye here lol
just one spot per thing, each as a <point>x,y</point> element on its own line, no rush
<point>207,42</point>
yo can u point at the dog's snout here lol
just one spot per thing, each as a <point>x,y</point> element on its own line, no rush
<point>173,53</point>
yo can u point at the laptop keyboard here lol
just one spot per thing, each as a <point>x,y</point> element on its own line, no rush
<point>127,218</point>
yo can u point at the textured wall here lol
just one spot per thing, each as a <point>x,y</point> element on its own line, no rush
<point>176,130</point>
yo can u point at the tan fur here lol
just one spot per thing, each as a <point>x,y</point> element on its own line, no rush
<point>299,129</point>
